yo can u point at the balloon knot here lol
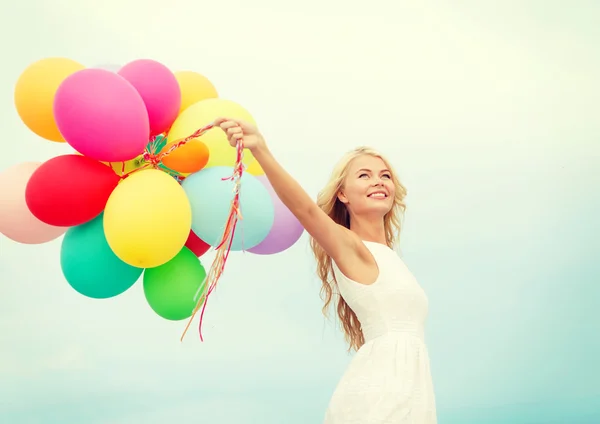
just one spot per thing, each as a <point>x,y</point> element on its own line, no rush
<point>152,159</point>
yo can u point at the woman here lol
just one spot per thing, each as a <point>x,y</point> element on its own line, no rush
<point>353,226</point>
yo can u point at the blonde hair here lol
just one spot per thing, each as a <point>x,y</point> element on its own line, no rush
<point>328,201</point>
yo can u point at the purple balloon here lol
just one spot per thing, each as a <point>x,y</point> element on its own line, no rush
<point>286,229</point>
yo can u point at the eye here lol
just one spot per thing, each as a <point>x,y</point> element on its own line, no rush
<point>363,175</point>
<point>387,176</point>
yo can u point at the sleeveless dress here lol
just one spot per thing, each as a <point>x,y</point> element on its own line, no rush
<point>389,380</point>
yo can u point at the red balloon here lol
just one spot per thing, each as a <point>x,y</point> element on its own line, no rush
<point>196,245</point>
<point>69,190</point>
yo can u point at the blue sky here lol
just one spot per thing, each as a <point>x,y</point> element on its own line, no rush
<point>489,112</point>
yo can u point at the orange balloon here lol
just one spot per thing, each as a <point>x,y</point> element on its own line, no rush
<point>194,87</point>
<point>191,157</point>
<point>35,91</point>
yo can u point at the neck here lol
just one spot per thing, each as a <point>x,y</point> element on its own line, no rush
<point>368,229</point>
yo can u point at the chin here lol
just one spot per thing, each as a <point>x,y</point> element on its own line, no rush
<point>376,211</point>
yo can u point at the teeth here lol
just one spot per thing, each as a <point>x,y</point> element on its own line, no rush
<point>378,195</point>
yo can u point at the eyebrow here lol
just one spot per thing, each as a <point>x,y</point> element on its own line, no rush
<point>368,170</point>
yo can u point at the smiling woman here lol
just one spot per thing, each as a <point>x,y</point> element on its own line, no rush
<point>363,176</point>
<point>353,226</point>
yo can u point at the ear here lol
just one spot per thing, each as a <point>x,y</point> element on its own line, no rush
<point>342,197</point>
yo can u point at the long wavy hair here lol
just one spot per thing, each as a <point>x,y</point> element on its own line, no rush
<point>328,201</point>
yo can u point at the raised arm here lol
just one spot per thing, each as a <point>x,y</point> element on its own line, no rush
<point>337,241</point>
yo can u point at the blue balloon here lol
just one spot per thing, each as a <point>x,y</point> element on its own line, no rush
<point>89,264</point>
<point>210,197</point>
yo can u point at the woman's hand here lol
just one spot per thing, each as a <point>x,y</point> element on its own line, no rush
<point>237,130</point>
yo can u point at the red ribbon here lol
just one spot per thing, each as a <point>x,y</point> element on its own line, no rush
<point>224,247</point>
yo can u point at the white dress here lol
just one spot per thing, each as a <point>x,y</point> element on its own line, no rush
<point>389,380</point>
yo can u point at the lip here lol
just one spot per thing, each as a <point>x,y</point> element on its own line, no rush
<point>370,195</point>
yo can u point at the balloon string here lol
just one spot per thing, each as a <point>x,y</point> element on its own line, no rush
<point>224,246</point>
<point>153,160</point>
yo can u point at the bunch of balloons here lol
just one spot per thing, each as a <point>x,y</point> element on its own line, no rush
<point>144,192</point>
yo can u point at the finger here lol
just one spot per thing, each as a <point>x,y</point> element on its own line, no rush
<point>228,124</point>
<point>217,122</point>
<point>225,123</point>
<point>234,130</point>
<point>235,138</point>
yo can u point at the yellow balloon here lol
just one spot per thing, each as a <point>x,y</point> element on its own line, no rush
<point>147,219</point>
<point>253,167</point>
<point>194,87</point>
<point>122,168</point>
<point>203,113</point>
<point>35,91</point>
<point>126,167</point>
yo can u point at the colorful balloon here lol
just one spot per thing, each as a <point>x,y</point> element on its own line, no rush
<point>286,228</point>
<point>189,158</point>
<point>171,288</point>
<point>16,220</point>
<point>90,266</point>
<point>147,219</point>
<point>160,90</point>
<point>194,87</point>
<point>35,92</point>
<point>102,116</point>
<point>69,190</point>
<point>210,197</point>
<point>196,245</point>
<point>205,112</point>
<point>125,167</point>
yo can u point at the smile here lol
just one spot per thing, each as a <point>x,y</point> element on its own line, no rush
<point>378,195</point>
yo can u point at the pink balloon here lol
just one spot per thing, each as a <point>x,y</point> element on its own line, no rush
<point>102,115</point>
<point>16,221</point>
<point>160,90</point>
<point>286,229</point>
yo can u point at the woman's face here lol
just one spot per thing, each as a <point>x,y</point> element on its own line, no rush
<point>368,188</point>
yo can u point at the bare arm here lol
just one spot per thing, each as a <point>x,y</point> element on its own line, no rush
<point>335,239</point>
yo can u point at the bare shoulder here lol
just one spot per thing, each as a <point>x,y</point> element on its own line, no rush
<point>359,263</point>
<point>343,246</point>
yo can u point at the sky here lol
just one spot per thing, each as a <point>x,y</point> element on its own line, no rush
<point>488,110</point>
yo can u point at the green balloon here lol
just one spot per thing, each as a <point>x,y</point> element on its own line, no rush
<point>170,288</point>
<point>89,264</point>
